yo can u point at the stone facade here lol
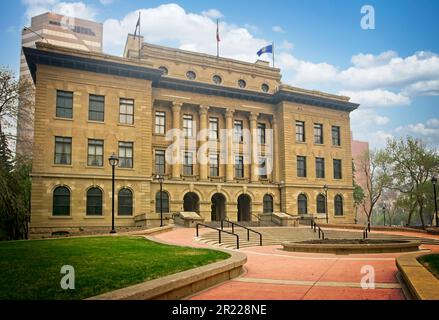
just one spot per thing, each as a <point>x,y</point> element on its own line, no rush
<point>142,79</point>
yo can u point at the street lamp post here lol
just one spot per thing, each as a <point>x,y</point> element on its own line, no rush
<point>160,179</point>
<point>113,160</point>
<point>325,187</point>
<point>434,181</point>
<point>384,213</point>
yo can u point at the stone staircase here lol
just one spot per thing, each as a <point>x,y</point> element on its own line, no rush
<point>277,235</point>
<point>270,236</point>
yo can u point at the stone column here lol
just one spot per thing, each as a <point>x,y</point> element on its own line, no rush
<point>176,156</point>
<point>254,168</point>
<point>230,155</point>
<point>275,148</point>
<point>203,139</point>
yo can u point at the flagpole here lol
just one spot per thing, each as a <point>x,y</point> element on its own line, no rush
<point>273,54</point>
<point>217,38</point>
<point>140,44</point>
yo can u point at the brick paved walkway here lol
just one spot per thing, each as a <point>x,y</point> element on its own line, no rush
<point>273,274</point>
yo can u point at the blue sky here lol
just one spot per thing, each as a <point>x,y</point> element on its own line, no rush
<point>393,70</point>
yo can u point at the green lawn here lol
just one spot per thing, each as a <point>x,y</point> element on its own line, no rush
<point>31,269</point>
<point>431,262</point>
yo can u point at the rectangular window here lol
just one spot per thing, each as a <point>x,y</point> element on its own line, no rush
<point>262,168</point>
<point>336,136</point>
<point>160,164</point>
<point>318,133</point>
<point>63,150</point>
<point>95,153</point>
<point>239,166</point>
<point>125,154</point>
<point>213,129</point>
<point>301,166</point>
<point>320,168</point>
<point>261,133</point>
<point>337,169</point>
<point>126,111</point>
<point>96,108</point>
<point>188,167</point>
<point>64,104</point>
<point>188,125</point>
<point>160,122</point>
<point>300,131</point>
<point>237,133</point>
<point>214,165</point>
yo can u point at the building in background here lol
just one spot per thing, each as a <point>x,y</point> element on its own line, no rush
<point>61,31</point>
<point>359,148</point>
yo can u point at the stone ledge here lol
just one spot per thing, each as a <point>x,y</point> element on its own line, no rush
<point>422,284</point>
<point>182,284</point>
<point>352,248</point>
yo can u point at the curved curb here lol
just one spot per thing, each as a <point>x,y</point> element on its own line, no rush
<point>182,284</point>
<point>352,248</point>
<point>422,284</point>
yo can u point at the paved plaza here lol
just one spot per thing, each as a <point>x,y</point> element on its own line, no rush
<point>273,274</point>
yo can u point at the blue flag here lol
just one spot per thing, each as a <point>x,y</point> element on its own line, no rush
<point>267,49</point>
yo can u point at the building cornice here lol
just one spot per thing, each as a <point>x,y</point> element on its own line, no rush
<point>104,64</point>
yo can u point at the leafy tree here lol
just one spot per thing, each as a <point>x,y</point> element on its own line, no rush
<point>412,165</point>
<point>15,183</point>
<point>374,167</point>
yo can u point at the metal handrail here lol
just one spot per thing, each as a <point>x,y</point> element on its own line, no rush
<point>239,225</point>
<point>256,216</point>
<point>366,231</point>
<point>219,233</point>
<point>316,227</point>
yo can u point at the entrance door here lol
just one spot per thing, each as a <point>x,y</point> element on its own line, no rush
<point>218,207</point>
<point>244,208</point>
<point>191,202</point>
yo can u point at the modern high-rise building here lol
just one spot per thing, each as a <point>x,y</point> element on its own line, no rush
<point>226,136</point>
<point>61,31</point>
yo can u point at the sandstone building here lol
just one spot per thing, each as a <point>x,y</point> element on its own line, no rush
<point>90,105</point>
<point>58,30</point>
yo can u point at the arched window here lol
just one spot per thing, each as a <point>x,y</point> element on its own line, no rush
<point>125,202</point>
<point>268,204</point>
<point>61,201</point>
<point>321,204</point>
<point>164,201</point>
<point>94,202</point>
<point>338,205</point>
<point>302,203</point>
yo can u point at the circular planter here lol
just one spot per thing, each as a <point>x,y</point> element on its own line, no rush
<point>338,247</point>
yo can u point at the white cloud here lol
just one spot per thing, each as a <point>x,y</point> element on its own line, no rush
<point>170,24</point>
<point>285,44</point>
<point>428,132</point>
<point>72,9</point>
<point>369,60</point>
<point>377,98</point>
<point>397,71</point>
<point>213,13</point>
<point>423,88</point>
<point>278,29</point>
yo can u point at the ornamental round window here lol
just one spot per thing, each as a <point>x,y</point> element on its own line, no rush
<point>265,87</point>
<point>217,79</point>
<point>191,75</point>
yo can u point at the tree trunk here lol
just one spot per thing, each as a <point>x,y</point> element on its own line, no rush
<point>421,215</point>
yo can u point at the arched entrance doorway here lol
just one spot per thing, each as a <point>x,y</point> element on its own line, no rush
<point>218,207</point>
<point>244,208</point>
<point>191,202</point>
